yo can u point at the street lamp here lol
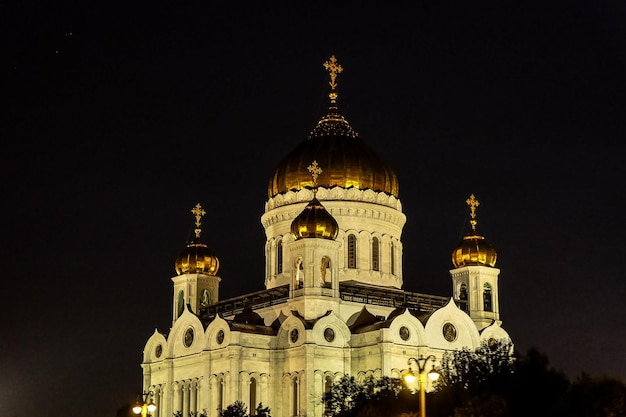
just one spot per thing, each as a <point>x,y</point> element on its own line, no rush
<point>143,407</point>
<point>410,377</point>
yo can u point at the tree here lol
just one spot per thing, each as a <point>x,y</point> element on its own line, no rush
<point>342,396</point>
<point>239,409</point>
<point>474,383</point>
<point>263,411</point>
<point>373,397</point>
<point>236,409</point>
<point>535,382</point>
<point>596,397</point>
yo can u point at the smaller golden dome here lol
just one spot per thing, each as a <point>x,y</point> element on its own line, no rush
<point>315,222</point>
<point>473,249</point>
<point>196,257</point>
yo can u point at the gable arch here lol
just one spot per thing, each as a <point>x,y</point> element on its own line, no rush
<point>176,346</point>
<point>218,330</point>
<point>340,330</point>
<point>150,349</point>
<point>284,338</point>
<point>406,329</point>
<point>466,334</point>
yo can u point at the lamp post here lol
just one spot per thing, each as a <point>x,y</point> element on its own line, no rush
<point>410,377</point>
<point>143,407</point>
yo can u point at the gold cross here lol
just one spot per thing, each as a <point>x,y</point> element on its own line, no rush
<point>198,212</point>
<point>315,171</point>
<point>334,68</point>
<point>472,203</point>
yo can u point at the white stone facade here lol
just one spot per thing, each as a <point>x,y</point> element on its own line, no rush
<point>317,320</point>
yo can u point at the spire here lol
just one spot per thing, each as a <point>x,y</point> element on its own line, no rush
<point>333,123</point>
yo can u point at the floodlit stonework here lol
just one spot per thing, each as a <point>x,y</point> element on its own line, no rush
<point>331,306</point>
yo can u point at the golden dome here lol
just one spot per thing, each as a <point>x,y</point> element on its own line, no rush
<point>196,257</point>
<point>347,160</point>
<point>473,249</point>
<point>314,222</point>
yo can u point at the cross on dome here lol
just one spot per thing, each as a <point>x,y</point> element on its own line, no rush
<point>333,68</point>
<point>473,203</point>
<point>198,212</point>
<point>315,171</point>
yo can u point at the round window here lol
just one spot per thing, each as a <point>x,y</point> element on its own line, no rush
<point>329,334</point>
<point>188,339</point>
<point>294,335</point>
<point>449,332</point>
<point>220,337</point>
<point>404,333</point>
<point>158,351</point>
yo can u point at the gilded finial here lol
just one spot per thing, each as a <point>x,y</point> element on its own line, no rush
<point>315,171</point>
<point>333,68</point>
<point>198,212</point>
<point>473,203</point>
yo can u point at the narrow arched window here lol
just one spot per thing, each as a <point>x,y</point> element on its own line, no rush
<point>279,257</point>
<point>325,272</point>
<point>375,254</point>
<point>487,298</point>
<point>180,303</point>
<point>253,397</point>
<point>294,402</point>
<point>463,296</point>
<point>352,251</point>
<point>220,395</point>
<point>328,385</point>
<point>393,258</point>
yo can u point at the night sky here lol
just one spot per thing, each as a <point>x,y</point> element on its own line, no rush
<point>118,117</point>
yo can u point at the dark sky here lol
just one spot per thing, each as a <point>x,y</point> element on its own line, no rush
<point>118,117</point>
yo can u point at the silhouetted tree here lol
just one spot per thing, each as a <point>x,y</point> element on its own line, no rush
<point>239,409</point>
<point>373,397</point>
<point>596,397</point>
<point>474,383</point>
<point>236,409</point>
<point>536,387</point>
<point>263,411</point>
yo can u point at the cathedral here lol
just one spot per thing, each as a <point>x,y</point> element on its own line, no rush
<point>333,302</point>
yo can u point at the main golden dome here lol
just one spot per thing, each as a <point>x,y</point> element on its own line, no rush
<point>196,258</point>
<point>347,160</point>
<point>474,249</point>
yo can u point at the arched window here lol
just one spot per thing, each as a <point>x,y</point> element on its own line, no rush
<point>279,257</point>
<point>328,385</point>
<point>220,395</point>
<point>253,397</point>
<point>299,273</point>
<point>463,297</point>
<point>325,273</point>
<point>393,259</point>
<point>487,298</point>
<point>375,254</point>
<point>180,303</point>
<point>351,251</point>
<point>294,400</point>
